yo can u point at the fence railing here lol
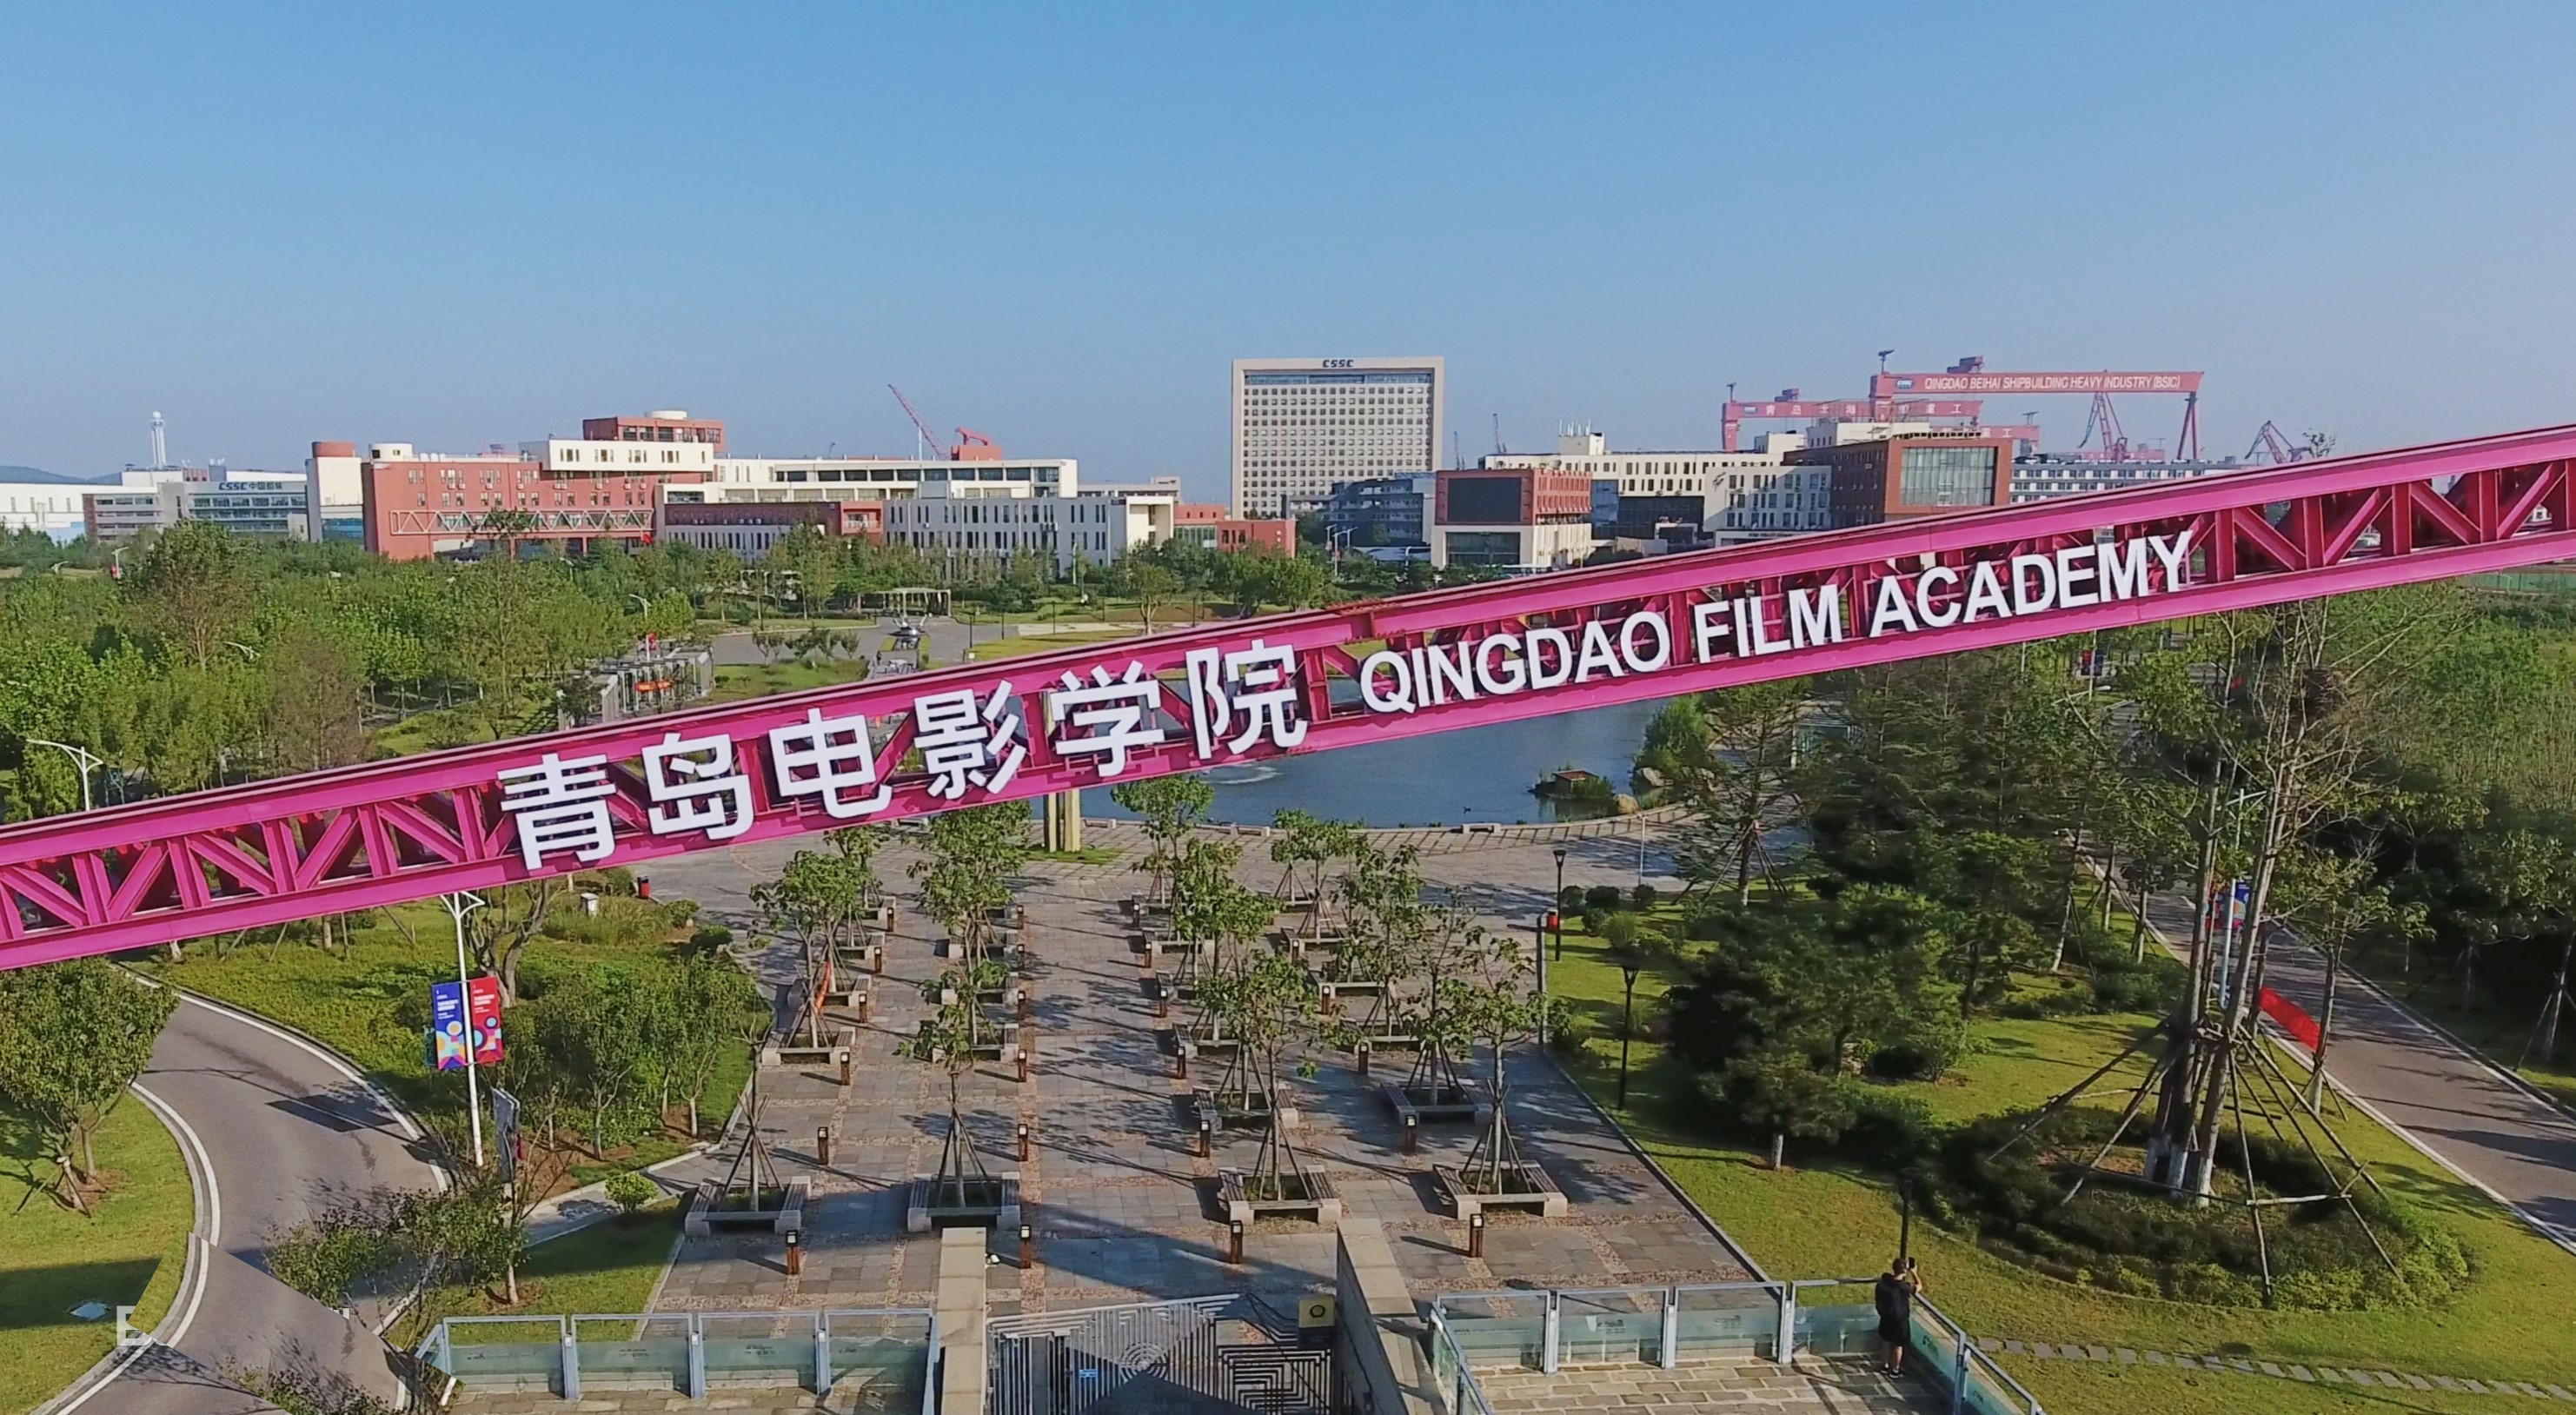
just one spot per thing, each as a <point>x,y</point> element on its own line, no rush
<point>895,1348</point>
<point>1546,1330</point>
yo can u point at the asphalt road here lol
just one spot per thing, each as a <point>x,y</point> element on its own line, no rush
<point>275,1131</point>
<point>2472,1118</point>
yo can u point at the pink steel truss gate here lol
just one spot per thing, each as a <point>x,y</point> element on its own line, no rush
<point>248,856</point>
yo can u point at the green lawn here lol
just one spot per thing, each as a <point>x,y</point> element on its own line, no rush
<point>1830,1219</point>
<point>52,1259</point>
<point>606,1268</point>
<point>370,1001</point>
<point>1019,644</point>
<point>735,682</point>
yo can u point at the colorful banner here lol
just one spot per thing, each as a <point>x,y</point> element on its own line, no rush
<point>447,1025</point>
<point>449,1007</point>
<point>483,1003</point>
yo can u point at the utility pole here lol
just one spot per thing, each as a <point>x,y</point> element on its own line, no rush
<point>459,905</point>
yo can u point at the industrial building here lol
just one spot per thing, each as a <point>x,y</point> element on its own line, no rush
<point>1891,479</point>
<point>264,504</point>
<point>1303,426</point>
<point>59,509</point>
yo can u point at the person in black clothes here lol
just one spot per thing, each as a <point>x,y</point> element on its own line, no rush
<point>1894,1297</point>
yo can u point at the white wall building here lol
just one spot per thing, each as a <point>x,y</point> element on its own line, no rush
<point>248,503</point>
<point>2047,478</point>
<point>875,478</point>
<point>631,459</point>
<point>1302,426</point>
<point>1732,496</point>
<point>57,509</point>
<point>964,519</point>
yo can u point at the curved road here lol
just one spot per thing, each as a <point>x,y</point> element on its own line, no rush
<point>275,1130</point>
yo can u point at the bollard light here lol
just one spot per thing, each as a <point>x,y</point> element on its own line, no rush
<point>1364,1058</point>
<point>795,1253</point>
<point>1207,1137</point>
<point>1234,1241</point>
<point>1028,1247</point>
<point>823,1145</point>
<point>1024,1142</point>
<point>1476,1234</point>
<point>1412,1134</point>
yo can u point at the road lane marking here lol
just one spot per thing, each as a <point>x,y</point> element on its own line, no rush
<point>197,1271</point>
<point>384,1102</point>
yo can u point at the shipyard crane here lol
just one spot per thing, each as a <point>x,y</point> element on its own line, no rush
<point>2271,446</point>
<point>929,439</point>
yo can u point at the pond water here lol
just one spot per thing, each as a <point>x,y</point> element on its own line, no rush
<point>1447,778</point>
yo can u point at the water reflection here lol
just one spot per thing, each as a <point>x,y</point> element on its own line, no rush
<point>1448,778</point>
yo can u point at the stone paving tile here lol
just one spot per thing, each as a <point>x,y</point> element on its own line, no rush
<point>1122,1207</point>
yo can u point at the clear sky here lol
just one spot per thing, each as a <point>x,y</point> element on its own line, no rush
<point>453,224</point>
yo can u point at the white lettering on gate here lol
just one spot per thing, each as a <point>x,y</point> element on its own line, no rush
<point>1117,716</point>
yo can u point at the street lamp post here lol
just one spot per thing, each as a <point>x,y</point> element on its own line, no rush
<point>1557,910</point>
<point>88,761</point>
<point>1629,964</point>
<point>459,905</point>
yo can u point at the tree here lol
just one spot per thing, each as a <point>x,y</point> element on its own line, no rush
<point>506,526</point>
<point>2335,903</point>
<point>1266,1005</point>
<point>1491,995</point>
<point>193,585</point>
<point>965,876</point>
<point>1153,586</point>
<point>311,703</point>
<point>821,900</point>
<point>1302,839</point>
<point>1735,777</point>
<point>1171,807</point>
<point>600,1021</point>
<point>498,934</point>
<point>73,1036</point>
<point>705,1006</point>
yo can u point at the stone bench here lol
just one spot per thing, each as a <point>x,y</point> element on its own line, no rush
<point>988,1203</point>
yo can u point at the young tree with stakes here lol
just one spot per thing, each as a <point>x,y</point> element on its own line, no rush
<point>948,1039</point>
<point>1171,807</point>
<point>965,878</point>
<point>820,900</point>
<point>1490,994</point>
<point>1267,1007</point>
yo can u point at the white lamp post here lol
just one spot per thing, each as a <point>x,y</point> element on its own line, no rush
<point>459,905</point>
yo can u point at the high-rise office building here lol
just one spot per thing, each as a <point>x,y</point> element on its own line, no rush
<point>1304,426</point>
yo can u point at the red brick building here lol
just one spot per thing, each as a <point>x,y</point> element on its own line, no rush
<point>1214,525</point>
<point>748,528</point>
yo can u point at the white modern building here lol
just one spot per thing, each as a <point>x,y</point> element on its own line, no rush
<point>54,508</point>
<point>2047,478</point>
<point>878,478</point>
<point>947,518</point>
<point>248,502</point>
<point>1729,497</point>
<point>1303,426</point>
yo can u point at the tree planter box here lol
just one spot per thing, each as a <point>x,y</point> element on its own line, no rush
<point>1298,945</point>
<point>1380,1043</point>
<point>1193,1044</point>
<point>1317,1200</point>
<point>1139,909</point>
<point>988,1203</point>
<point>1241,1110</point>
<point>854,957</point>
<point>1525,1186</point>
<point>1003,1045</point>
<point>850,998</point>
<point>1427,1104</point>
<point>793,1053</point>
<point>704,1216</point>
<point>1155,941</point>
<point>1332,991</point>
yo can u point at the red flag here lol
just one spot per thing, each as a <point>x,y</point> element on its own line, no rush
<point>2291,1017</point>
<point>483,1009</point>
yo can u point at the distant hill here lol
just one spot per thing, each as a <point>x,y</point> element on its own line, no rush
<point>38,474</point>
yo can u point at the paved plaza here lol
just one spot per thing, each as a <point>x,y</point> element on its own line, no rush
<point>1122,1207</point>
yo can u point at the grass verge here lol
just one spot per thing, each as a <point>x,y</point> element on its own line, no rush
<point>369,1000</point>
<point>1825,1218</point>
<point>608,1268</point>
<point>52,1259</point>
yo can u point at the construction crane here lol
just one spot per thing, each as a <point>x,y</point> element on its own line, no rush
<point>2271,446</point>
<point>929,439</point>
<point>2105,420</point>
<point>973,446</point>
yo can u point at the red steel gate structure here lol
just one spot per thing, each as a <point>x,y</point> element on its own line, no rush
<point>627,793</point>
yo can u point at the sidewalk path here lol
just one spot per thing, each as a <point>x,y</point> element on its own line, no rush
<point>2469,1115</point>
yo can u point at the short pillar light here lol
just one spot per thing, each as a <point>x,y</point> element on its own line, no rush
<point>1207,1137</point>
<point>1364,1058</point>
<point>1234,1241</point>
<point>849,1062</point>
<point>1028,1246</point>
<point>1024,1142</point>
<point>1476,1234</point>
<point>1023,1050</point>
<point>823,1145</point>
<point>795,1253</point>
<point>1412,1134</point>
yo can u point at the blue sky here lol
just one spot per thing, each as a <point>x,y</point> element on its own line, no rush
<point>456,224</point>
